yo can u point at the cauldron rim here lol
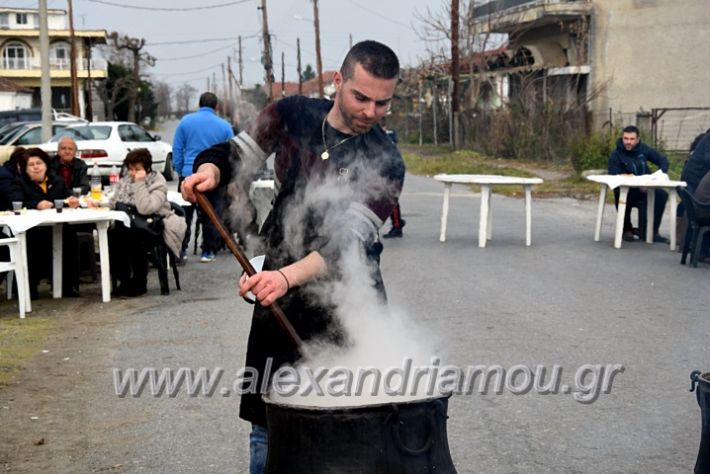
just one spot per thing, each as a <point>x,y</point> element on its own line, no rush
<point>353,408</point>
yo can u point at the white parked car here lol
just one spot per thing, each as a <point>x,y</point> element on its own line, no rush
<point>25,134</point>
<point>108,143</point>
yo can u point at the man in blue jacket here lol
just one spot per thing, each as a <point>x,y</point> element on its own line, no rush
<point>196,132</point>
<point>632,157</point>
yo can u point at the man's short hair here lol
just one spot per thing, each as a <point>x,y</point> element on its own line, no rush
<point>67,137</point>
<point>632,129</point>
<point>376,58</point>
<point>208,99</point>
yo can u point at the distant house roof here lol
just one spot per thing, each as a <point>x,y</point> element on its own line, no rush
<point>290,88</point>
<point>309,88</point>
<point>6,85</point>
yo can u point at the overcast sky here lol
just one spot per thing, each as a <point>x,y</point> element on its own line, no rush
<point>392,22</point>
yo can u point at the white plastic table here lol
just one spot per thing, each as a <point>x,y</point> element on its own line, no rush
<point>485,223</point>
<point>19,224</point>
<point>624,182</point>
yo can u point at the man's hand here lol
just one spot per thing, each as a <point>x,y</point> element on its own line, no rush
<point>205,179</point>
<point>267,286</point>
<point>42,205</point>
<point>73,202</point>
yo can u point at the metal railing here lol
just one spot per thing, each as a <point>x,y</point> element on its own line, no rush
<point>496,7</point>
<point>55,64</point>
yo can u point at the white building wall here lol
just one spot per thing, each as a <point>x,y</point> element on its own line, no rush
<point>15,100</point>
<point>650,54</point>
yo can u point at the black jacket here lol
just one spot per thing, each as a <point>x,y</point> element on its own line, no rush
<point>698,164</point>
<point>30,193</point>
<point>635,161</point>
<point>8,175</point>
<point>80,175</point>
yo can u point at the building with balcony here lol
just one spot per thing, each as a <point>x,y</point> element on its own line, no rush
<point>20,60</point>
<point>618,57</point>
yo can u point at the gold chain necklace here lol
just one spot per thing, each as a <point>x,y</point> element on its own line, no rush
<point>325,155</point>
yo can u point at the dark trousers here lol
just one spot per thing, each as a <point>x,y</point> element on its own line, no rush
<point>211,240</point>
<point>128,255</point>
<point>39,256</point>
<point>396,217</point>
<point>637,198</point>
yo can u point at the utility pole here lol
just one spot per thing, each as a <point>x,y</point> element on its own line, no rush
<point>351,41</point>
<point>298,66</point>
<point>72,64</point>
<point>268,65</point>
<point>230,76</point>
<point>455,70</point>
<point>241,64</point>
<point>46,81</point>
<point>319,63</point>
<point>224,100</point>
<point>89,94</point>
<point>283,74</point>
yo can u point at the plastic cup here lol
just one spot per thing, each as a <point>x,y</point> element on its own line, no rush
<point>59,204</point>
<point>16,207</point>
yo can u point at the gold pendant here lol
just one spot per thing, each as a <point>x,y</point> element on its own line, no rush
<point>325,155</point>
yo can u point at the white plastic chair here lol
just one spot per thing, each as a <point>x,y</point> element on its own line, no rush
<point>17,266</point>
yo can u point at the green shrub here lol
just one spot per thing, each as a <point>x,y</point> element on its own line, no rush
<point>592,151</point>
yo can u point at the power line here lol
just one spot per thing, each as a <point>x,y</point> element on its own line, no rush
<point>201,70</point>
<point>379,15</point>
<point>222,48</point>
<point>206,40</point>
<point>185,9</point>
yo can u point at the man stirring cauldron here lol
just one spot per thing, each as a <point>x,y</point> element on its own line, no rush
<point>338,177</point>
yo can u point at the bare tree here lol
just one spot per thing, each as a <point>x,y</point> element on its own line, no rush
<point>163,95</point>
<point>133,47</point>
<point>183,96</point>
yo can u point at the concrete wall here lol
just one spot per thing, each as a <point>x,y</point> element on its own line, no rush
<point>650,53</point>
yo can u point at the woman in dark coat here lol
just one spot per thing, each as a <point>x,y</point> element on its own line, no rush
<point>37,189</point>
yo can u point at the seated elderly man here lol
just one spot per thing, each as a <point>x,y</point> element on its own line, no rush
<point>632,157</point>
<point>67,166</point>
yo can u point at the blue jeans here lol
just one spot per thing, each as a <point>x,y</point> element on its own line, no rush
<point>258,442</point>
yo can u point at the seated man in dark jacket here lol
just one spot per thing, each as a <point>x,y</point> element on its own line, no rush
<point>68,167</point>
<point>698,164</point>
<point>632,157</point>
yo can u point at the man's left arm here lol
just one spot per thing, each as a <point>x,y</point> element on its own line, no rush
<point>179,149</point>
<point>658,159</point>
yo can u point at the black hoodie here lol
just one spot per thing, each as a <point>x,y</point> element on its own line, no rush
<point>623,161</point>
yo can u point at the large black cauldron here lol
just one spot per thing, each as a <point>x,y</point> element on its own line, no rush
<point>396,438</point>
<point>702,393</point>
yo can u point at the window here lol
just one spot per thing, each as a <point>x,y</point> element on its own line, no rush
<point>125,133</point>
<point>4,20</point>
<point>15,56</point>
<point>59,56</point>
<point>21,18</point>
<point>140,135</point>
<point>32,137</point>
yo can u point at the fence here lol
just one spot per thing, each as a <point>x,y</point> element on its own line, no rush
<point>675,128</point>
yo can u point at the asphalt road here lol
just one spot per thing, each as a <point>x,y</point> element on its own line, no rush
<point>565,301</point>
